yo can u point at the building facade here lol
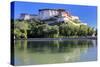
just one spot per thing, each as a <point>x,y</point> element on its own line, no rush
<point>49,13</point>
<point>25,16</point>
<point>51,16</point>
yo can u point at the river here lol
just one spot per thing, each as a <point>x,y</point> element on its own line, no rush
<point>30,52</point>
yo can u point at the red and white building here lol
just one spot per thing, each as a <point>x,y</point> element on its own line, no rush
<point>59,15</point>
<point>49,13</point>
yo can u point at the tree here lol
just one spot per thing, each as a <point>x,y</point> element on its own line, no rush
<point>96,32</point>
<point>22,27</point>
<point>36,28</point>
<point>17,33</point>
<point>90,31</point>
<point>53,31</point>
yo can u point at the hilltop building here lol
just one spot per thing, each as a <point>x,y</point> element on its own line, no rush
<point>59,14</point>
<point>51,16</point>
<point>49,13</point>
<point>25,16</point>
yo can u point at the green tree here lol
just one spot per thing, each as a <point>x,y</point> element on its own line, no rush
<point>21,26</point>
<point>83,30</point>
<point>17,33</point>
<point>53,31</point>
<point>90,31</point>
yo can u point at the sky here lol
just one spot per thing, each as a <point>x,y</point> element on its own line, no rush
<point>87,14</point>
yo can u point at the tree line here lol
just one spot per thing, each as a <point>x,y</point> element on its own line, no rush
<point>39,29</point>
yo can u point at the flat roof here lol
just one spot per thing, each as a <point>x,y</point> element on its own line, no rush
<point>52,9</point>
<point>28,14</point>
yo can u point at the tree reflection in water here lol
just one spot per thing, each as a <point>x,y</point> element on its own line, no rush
<point>43,52</point>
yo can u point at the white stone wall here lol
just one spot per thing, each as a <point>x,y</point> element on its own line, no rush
<point>27,17</point>
<point>62,19</point>
<point>46,14</point>
<point>75,17</point>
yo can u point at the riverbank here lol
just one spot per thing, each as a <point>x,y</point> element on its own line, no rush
<point>65,38</point>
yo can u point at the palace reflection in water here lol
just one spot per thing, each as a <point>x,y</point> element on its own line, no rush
<point>48,52</point>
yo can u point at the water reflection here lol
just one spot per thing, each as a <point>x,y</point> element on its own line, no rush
<point>44,52</point>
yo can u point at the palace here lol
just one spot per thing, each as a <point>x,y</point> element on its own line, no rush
<point>53,15</point>
<point>49,13</point>
<point>25,16</point>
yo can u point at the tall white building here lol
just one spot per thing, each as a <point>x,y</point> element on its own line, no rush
<point>49,13</point>
<point>53,15</point>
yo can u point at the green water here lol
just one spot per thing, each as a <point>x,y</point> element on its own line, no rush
<point>49,52</point>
